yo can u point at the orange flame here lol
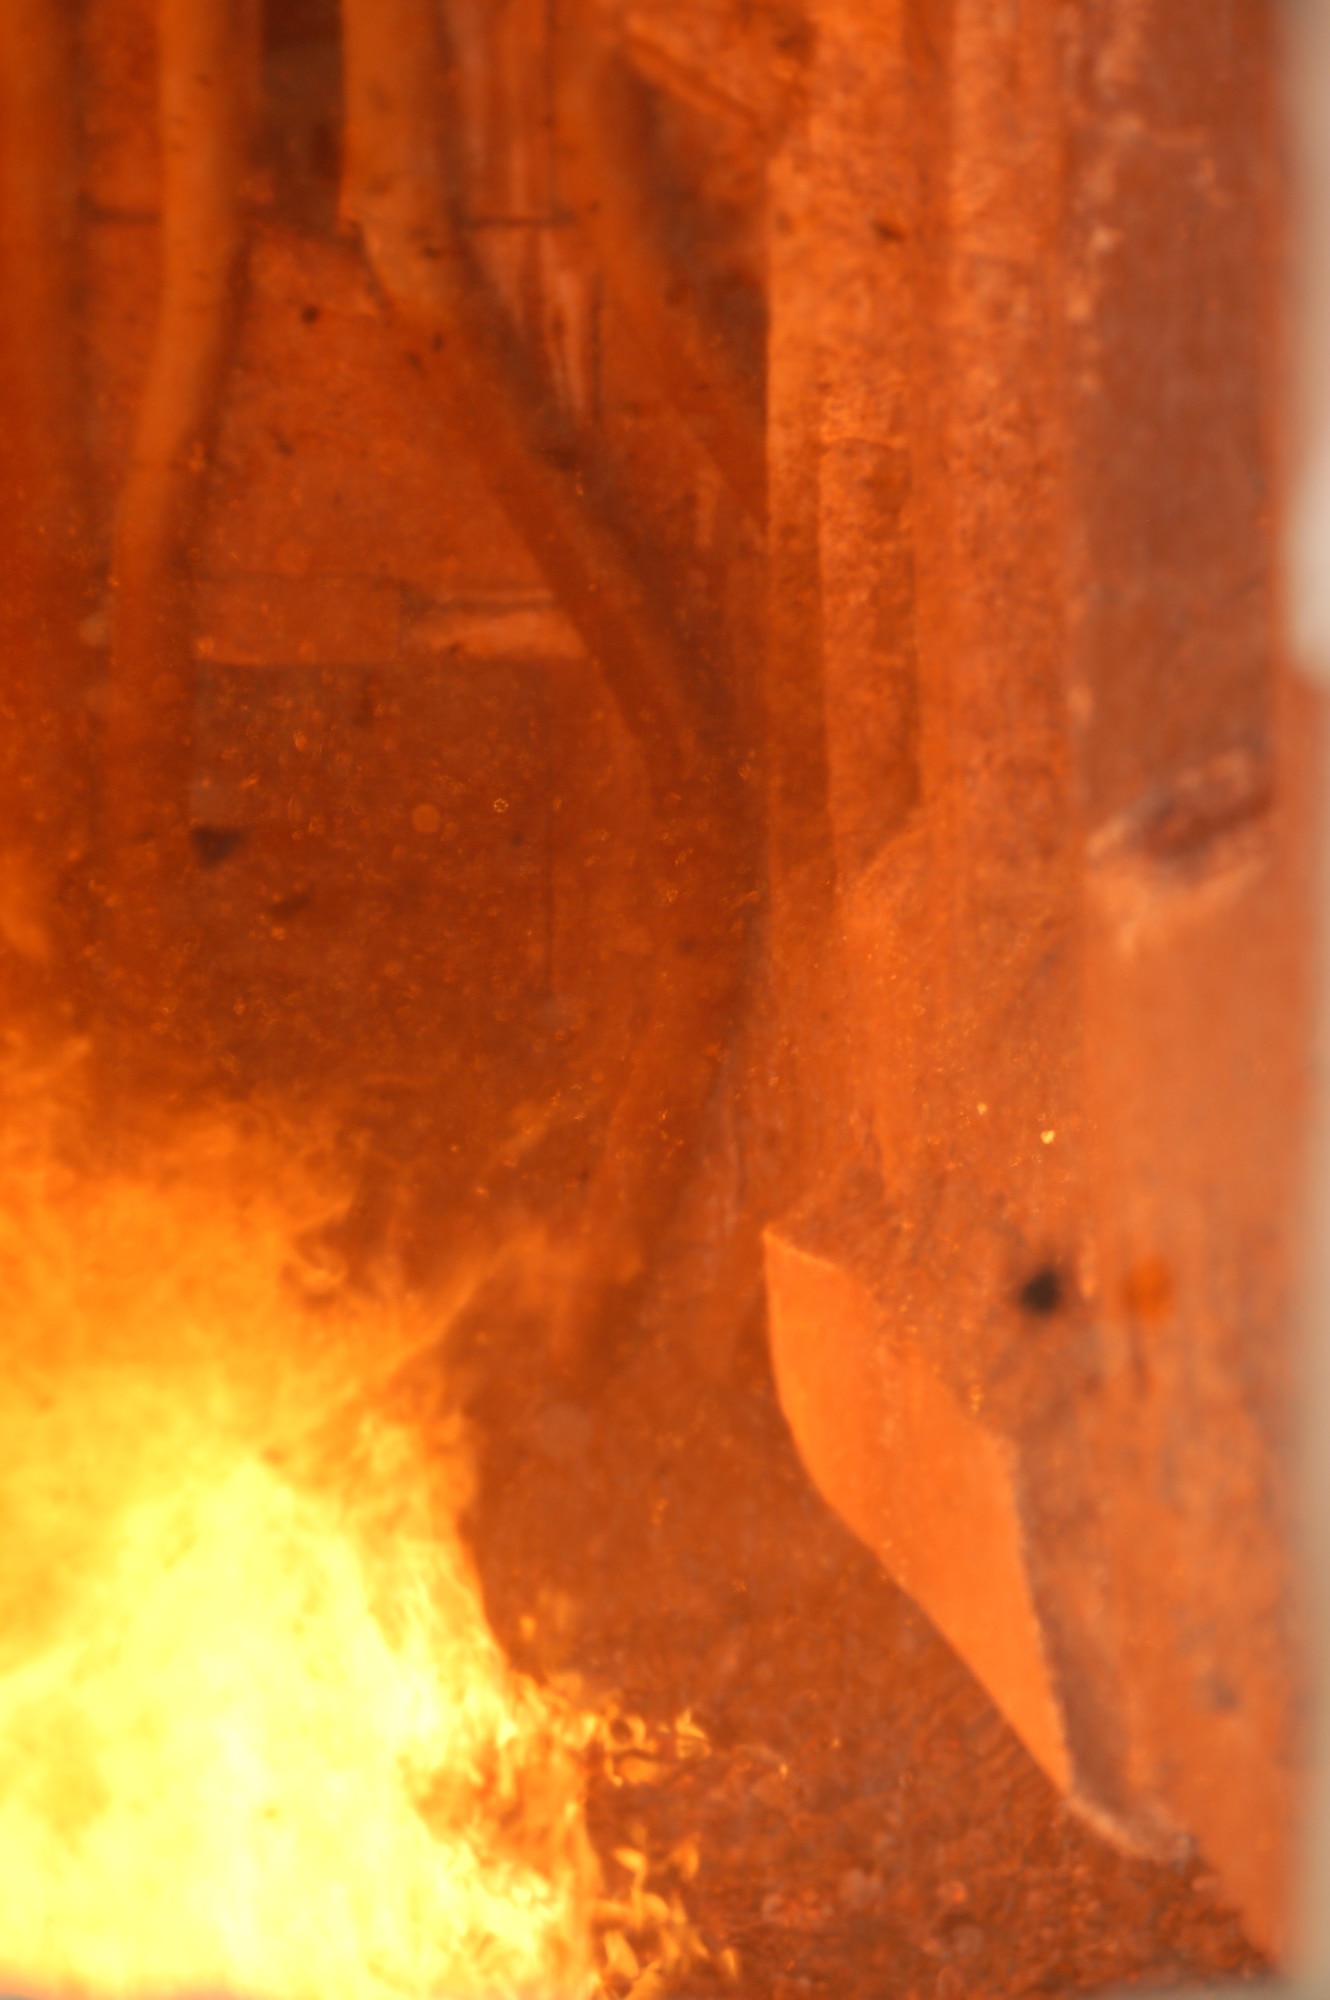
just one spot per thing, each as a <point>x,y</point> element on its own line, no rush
<point>255,1734</point>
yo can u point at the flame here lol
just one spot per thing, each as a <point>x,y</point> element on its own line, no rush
<point>255,1734</point>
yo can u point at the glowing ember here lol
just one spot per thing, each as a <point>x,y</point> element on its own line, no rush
<point>254,1732</point>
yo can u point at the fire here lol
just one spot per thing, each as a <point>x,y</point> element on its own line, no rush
<point>255,1734</point>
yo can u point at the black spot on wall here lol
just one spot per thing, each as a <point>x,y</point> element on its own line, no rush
<point>213,844</point>
<point>1042,1292</point>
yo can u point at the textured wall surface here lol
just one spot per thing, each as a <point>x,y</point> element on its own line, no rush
<point>1034,388</point>
<point>671,605</point>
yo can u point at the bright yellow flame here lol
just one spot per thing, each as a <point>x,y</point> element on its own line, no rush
<point>255,1735</point>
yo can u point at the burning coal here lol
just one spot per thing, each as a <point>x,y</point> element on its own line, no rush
<point>255,1734</point>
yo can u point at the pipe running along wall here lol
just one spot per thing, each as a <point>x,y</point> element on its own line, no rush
<point>208,74</point>
<point>400,187</point>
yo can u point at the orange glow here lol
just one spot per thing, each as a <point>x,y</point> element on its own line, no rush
<point>255,1734</point>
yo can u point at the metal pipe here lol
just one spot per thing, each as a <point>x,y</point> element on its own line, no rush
<point>207,75</point>
<point>401,189</point>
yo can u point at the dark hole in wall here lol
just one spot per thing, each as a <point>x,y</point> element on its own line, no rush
<point>1042,1292</point>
